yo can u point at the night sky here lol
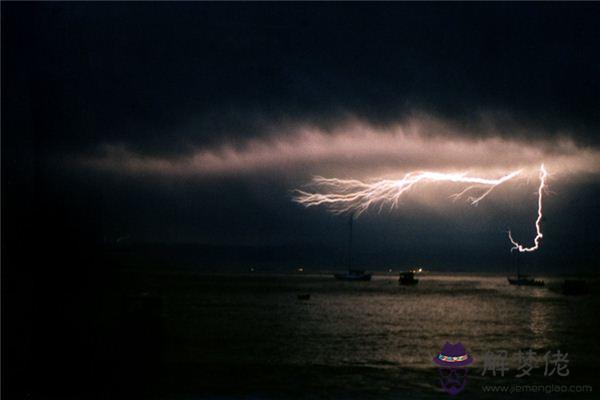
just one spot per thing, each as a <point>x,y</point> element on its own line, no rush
<point>145,140</point>
<point>152,124</point>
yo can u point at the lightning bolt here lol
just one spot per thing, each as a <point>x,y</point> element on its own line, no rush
<point>349,195</point>
<point>354,196</point>
<point>538,221</point>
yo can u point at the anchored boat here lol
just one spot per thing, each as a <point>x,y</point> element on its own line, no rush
<point>352,274</point>
<point>523,280</point>
<point>408,278</point>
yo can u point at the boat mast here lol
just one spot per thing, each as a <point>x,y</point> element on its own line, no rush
<point>350,242</point>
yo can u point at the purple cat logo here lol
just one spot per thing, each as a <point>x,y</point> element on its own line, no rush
<point>452,361</point>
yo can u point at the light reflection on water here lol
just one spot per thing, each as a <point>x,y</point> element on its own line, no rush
<point>258,320</point>
<point>377,322</point>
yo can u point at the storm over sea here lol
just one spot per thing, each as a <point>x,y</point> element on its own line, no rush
<point>253,336</point>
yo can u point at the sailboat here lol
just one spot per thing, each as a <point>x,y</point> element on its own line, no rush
<point>352,274</point>
<point>521,279</point>
<point>524,280</point>
<point>407,278</point>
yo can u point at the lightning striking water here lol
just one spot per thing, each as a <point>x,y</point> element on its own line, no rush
<point>538,221</point>
<point>355,196</point>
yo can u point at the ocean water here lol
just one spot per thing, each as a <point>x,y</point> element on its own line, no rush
<point>249,336</point>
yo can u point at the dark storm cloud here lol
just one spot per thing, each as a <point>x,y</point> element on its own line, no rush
<point>161,78</point>
<point>154,90</point>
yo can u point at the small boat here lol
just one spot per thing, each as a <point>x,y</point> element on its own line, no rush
<point>524,280</point>
<point>352,274</point>
<point>408,278</point>
<point>304,296</point>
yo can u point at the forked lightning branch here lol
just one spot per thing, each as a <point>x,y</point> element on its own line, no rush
<point>354,196</point>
